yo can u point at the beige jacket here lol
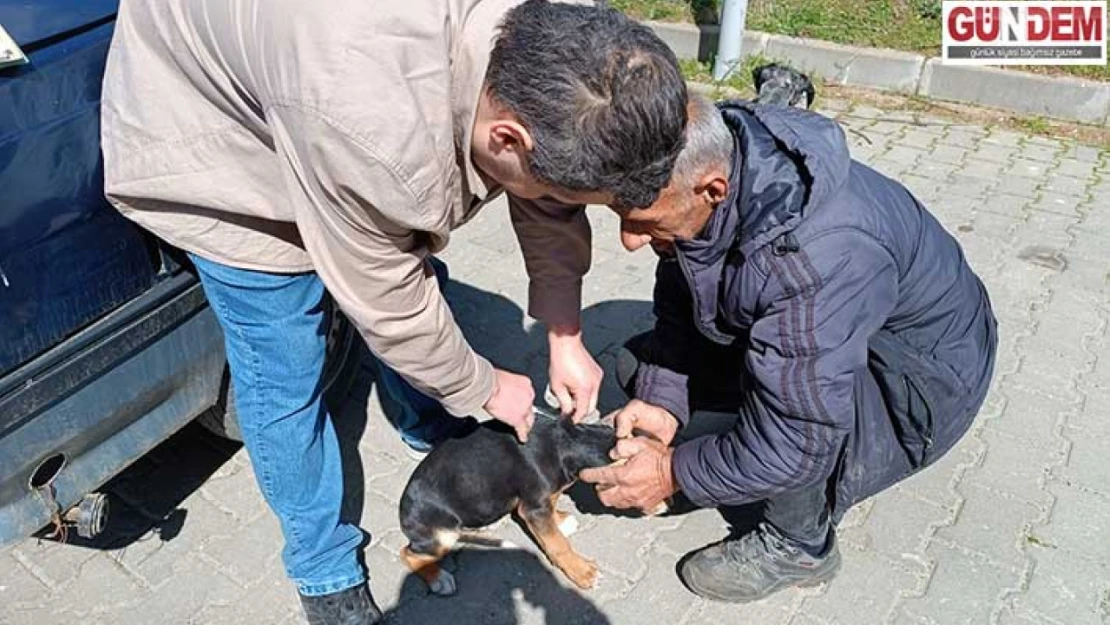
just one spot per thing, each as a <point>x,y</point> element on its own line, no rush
<point>290,136</point>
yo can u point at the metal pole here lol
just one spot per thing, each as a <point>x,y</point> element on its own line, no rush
<point>730,38</point>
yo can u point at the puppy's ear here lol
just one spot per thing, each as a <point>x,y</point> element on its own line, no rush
<point>762,74</point>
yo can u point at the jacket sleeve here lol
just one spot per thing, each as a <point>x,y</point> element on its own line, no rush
<point>818,309</point>
<point>663,375</point>
<point>362,224</point>
<point>555,241</point>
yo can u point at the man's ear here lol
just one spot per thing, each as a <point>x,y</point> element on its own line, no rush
<point>713,187</point>
<point>509,134</point>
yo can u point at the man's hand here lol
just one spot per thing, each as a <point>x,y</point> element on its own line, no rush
<point>645,481</point>
<point>574,375</point>
<point>644,418</point>
<point>511,402</point>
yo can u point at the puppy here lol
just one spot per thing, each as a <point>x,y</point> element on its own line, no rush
<point>780,85</point>
<point>475,480</point>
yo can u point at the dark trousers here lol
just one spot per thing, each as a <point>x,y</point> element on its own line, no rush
<point>801,516</point>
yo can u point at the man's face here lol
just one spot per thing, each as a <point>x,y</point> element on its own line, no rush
<point>680,213</point>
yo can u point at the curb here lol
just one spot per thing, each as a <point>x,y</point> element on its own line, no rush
<point>1061,97</point>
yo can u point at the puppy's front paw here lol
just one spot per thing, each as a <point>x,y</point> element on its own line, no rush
<point>583,573</point>
<point>444,584</point>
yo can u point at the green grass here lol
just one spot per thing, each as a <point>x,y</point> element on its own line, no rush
<point>912,25</point>
<point>740,79</point>
<point>1036,125</point>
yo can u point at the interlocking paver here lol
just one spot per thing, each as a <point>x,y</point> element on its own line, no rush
<point>52,563</point>
<point>842,602</point>
<point>1061,183</point>
<point>993,525</point>
<point>780,609</point>
<point>1082,153</point>
<point>17,585</point>
<point>1009,528</point>
<point>1011,467</point>
<point>963,137</point>
<point>244,555</point>
<point>1080,523</point>
<point>917,138</point>
<point>1043,153</point>
<point>1087,462</point>
<point>963,590</point>
<point>1029,417</point>
<point>654,599</point>
<point>1007,138</point>
<point>937,485</point>
<point>1063,588</point>
<point>1008,617</point>
<point>945,152</point>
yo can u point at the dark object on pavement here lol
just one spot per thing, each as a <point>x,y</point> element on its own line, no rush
<point>780,85</point>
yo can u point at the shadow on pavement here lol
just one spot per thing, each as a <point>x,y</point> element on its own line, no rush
<point>497,587</point>
<point>493,324</point>
<point>146,498</point>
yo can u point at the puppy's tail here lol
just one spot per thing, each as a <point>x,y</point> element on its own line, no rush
<point>482,538</point>
<point>485,540</point>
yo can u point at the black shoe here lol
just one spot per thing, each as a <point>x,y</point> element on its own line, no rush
<point>353,606</point>
<point>756,565</point>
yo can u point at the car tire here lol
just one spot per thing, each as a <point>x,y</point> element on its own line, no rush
<point>340,370</point>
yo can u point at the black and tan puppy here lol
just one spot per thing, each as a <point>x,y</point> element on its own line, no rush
<point>475,480</point>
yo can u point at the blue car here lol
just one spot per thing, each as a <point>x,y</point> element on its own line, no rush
<point>107,345</point>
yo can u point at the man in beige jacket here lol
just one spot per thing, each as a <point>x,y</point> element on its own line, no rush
<point>291,146</point>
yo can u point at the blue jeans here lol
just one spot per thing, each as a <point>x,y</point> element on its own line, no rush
<point>274,333</point>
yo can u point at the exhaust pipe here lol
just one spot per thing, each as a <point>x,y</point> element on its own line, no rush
<point>89,516</point>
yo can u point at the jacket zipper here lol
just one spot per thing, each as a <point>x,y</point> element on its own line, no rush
<point>710,333</point>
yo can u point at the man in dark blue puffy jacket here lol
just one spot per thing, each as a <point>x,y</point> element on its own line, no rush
<point>822,303</point>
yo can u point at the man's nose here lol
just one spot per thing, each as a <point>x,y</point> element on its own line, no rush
<point>632,241</point>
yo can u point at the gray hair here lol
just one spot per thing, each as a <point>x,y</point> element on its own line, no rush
<point>709,141</point>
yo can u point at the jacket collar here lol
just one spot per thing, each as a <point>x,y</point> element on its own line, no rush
<point>784,164</point>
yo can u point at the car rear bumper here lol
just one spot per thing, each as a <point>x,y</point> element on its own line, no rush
<point>104,398</point>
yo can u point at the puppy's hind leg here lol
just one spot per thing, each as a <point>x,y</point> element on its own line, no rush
<point>423,554</point>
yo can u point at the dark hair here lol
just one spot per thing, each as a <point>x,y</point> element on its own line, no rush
<point>602,96</point>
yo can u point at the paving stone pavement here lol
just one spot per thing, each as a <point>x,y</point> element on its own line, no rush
<point>1012,527</point>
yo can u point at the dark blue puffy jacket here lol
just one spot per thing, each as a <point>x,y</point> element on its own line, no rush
<point>863,344</point>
